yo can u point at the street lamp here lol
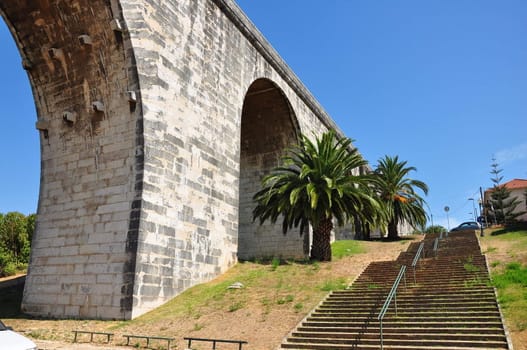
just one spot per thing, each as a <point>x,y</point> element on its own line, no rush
<point>473,209</point>
<point>481,211</point>
<point>447,209</point>
<point>431,215</point>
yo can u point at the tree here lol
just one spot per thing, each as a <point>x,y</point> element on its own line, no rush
<point>30,226</point>
<point>435,229</point>
<point>398,194</point>
<point>14,237</point>
<point>315,184</point>
<point>504,207</point>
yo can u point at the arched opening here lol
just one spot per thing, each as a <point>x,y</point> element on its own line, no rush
<point>268,127</point>
<point>19,144</point>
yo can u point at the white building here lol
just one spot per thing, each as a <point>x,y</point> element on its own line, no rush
<point>517,188</point>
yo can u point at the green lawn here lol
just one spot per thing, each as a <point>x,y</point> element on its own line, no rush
<point>507,255</point>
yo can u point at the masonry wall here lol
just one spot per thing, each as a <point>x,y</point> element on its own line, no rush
<point>140,186</point>
<point>195,68</point>
<point>79,250</point>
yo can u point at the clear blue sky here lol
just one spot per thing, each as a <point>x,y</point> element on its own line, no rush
<point>442,84</point>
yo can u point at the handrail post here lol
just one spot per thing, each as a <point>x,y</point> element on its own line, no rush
<point>436,246</point>
<point>381,335</point>
<point>392,294</point>
<point>420,251</point>
<point>395,301</point>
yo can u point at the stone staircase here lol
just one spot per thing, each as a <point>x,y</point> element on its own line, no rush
<point>450,305</point>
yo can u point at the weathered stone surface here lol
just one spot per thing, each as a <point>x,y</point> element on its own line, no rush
<point>143,197</point>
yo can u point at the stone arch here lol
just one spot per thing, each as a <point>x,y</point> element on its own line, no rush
<point>268,126</point>
<point>89,121</point>
<point>139,127</point>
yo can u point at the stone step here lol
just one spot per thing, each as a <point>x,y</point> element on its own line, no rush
<point>314,317</point>
<point>416,329</point>
<point>451,306</point>
<point>412,308</point>
<point>338,343</point>
<point>371,335</point>
<point>427,273</point>
<point>408,314</point>
<point>409,299</point>
<point>425,292</point>
<point>418,292</point>
<point>377,347</point>
<point>484,323</point>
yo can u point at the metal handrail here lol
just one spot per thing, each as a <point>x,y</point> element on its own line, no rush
<point>420,251</point>
<point>391,295</point>
<point>436,245</point>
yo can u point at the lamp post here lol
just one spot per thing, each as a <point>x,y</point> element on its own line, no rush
<point>431,215</point>
<point>481,212</point>
<point>447,209</point>
<point>473,209</point>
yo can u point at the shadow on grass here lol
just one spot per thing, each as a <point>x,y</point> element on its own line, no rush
<point>511,228</point>
<point>398,239</point>
<point>275,261</point>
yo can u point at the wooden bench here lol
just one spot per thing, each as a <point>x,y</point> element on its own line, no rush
<point>77,332</point>
<point>214,341</point>
<point>148,338</point>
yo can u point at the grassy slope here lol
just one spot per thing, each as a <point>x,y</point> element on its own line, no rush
<point>507,256</point>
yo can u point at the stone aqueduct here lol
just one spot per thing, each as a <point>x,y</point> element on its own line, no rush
<point>156,120</point>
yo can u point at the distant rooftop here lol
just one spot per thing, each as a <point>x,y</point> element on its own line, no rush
<point>515,184</point>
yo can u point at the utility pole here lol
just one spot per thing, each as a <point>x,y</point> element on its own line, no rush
<point>447,209</point>
<point>481,203</point>
<point>474,212</point>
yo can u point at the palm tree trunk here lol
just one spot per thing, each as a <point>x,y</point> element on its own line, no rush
<point>367,232</point>
<point>321,248</point>
<point>393,234</point>
<point>357,225</point>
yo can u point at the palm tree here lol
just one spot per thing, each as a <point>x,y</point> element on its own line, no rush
<point>313,185</point>
<point>398,194</point>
